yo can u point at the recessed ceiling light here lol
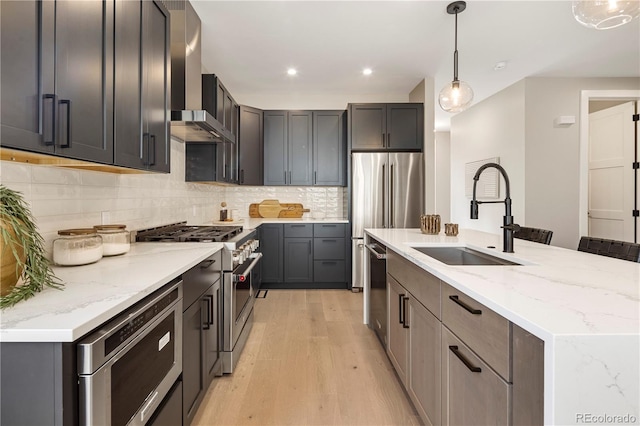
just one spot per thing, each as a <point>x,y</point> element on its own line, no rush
<point>500,65</point>
<point>367,71</point>
<point>292,71</point>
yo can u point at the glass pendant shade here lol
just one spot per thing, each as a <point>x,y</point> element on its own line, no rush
<point>455,96</point>
<point>605,14</point>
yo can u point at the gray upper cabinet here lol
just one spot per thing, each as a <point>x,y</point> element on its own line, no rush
<point>71,80</point>
<point>304,148</point>
<point>275,148</point>
<point>250,146</point>
<point>217,100</point>
<point>141,115</point>
<point>329,148</point>
<point>379,127</point>
<point>57,82</point>
<point>287,147</point>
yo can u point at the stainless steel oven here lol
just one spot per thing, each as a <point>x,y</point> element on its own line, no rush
<point>240,285</point>
<point>129,364</point>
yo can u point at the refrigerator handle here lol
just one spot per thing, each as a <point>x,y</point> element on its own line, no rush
<point>391,199</point>
<point>384,209</point>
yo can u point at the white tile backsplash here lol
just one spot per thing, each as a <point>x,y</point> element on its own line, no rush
<point>62,198</point>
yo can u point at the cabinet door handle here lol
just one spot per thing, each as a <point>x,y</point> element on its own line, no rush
<point>388,140</point>
<point>49,126</point>
<point>315,178</point>
<point>466,307</point>
<point>404,312</point>
<point>289,177</point>
<point>464,360</point>
<point>241,175</point>
<point>309,244</point>
<point>207,322</point>
<point>285,177</point>
<point>67,102</point>
<point>145,149</point>
<point>210,317</point>
<point>384,143</point>
<point>152,144</point>
<point>400,305</point>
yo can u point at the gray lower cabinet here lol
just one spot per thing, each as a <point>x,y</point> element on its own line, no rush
<point>72,74</point>
<point>376,127</point>
<point>460,362</point>
<point>201,327</point>
<point>304,255</point>
<point>398,335</point>
<point>272,248</point>
<point>472,392</point>
<point>298,253</point>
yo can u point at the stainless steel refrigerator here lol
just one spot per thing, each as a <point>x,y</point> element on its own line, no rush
<point>387,191</point>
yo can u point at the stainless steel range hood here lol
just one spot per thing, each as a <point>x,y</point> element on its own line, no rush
<point>189,121</point>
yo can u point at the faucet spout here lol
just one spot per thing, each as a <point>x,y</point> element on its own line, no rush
<point>508,227</point>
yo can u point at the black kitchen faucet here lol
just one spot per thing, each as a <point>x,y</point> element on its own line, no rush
<point>508,227</point>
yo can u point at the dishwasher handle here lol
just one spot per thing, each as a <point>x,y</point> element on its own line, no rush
<point>378,252</point>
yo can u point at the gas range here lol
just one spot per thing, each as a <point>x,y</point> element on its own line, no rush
<point>181,232</point>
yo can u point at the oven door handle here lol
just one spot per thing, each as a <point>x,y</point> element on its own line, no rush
<point>243,276</point>
<point>378,254</point>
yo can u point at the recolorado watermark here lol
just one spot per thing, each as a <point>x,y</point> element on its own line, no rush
<point>606,419</point>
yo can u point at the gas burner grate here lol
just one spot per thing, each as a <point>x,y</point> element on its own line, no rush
<point>187,233</point>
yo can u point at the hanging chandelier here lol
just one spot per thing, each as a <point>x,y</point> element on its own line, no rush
<point>605,14</point>
<point>457,95</point>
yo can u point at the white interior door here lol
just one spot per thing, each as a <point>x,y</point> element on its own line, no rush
<point>611,183</point>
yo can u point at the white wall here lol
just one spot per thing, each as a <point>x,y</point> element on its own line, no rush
<point>542,160</point>
<point>423,92</point>
<point>491,128</point>
<point>443,175</point>
<point>63,198</point>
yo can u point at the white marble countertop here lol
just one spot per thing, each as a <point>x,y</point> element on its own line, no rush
<point>95,293</point>
<point>585,307</point>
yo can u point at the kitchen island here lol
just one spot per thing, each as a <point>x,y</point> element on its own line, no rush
<point>584,307</point>
<point>96,292</point>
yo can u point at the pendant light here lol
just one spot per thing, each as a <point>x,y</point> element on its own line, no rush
<point>457,95</point>
<point>605,14</point>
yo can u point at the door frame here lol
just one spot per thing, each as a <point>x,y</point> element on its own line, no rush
<point>585,97</point>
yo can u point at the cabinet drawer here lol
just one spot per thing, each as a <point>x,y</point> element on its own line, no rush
<point>329,230</point>
<point>199,278</point>
<point>329,271</point>
<point>298,230</point>
<point>421,284</point>
<point>472,393</point>
<point>484,331</point>
<point>328,248</point>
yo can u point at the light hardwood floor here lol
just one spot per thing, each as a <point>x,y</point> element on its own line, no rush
<point>309,361</point>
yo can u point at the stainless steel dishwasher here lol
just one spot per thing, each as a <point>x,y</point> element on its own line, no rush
<point>378,286</point>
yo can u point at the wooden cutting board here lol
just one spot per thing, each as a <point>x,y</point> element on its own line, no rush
<point>274,209</point>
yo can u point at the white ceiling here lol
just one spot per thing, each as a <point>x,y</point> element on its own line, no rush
<point>250,45</point>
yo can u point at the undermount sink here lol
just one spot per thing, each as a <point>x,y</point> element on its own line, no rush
<point>462,256</point>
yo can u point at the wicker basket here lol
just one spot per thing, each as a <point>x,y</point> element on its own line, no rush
<point>430,224</point>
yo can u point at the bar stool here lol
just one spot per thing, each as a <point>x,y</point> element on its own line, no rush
<point>611,248</point>
<point>534,234</point>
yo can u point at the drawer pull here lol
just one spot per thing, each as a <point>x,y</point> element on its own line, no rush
<point>298,226</point>
<point>329,263</point>
<point>328,226</point>
<point>207,263</point>
<point>464,360</point>
<point>329,241</point>
<point>466,307</point>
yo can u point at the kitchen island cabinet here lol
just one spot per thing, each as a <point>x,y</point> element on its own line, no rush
<point>565,307</point>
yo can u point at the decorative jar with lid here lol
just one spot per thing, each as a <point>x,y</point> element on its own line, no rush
<point>115,239</point>
<point>77,247</point>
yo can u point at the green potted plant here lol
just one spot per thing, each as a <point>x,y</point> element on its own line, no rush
<point>22,251</point>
